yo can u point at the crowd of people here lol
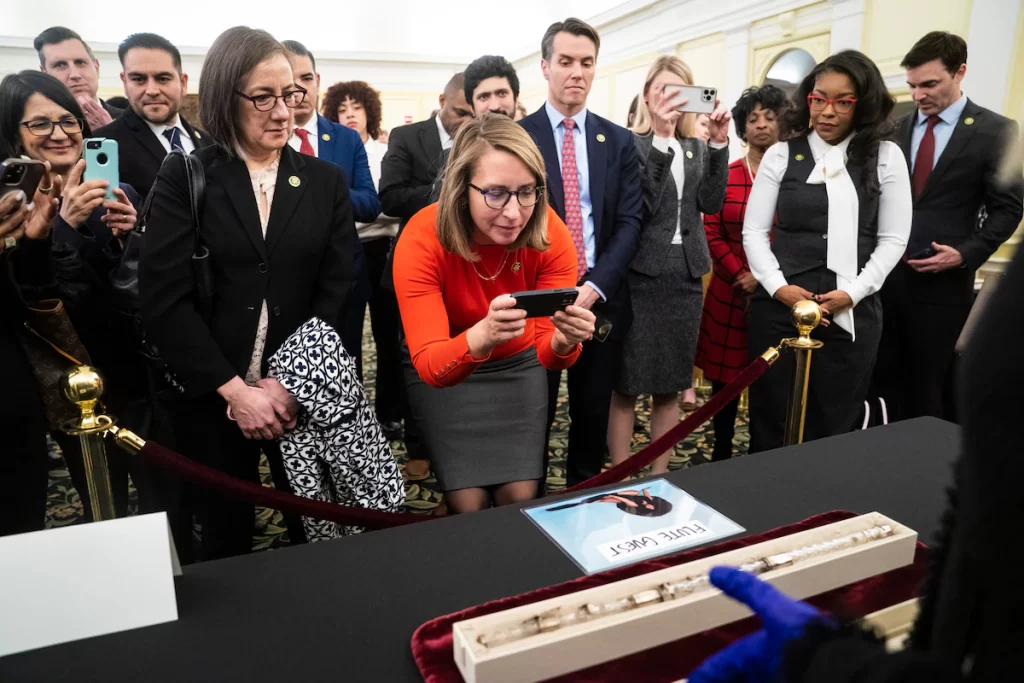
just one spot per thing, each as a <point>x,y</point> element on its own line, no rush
<point>311,210</point>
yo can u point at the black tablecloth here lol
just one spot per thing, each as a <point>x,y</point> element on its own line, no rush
<point>345,610</point>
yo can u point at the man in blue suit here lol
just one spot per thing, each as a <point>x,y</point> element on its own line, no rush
<point>319,137</point>
<point>602,206</point>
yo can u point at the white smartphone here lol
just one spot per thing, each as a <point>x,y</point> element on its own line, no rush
<point>700,98</point>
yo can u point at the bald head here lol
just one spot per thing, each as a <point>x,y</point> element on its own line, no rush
<point>454,110</point>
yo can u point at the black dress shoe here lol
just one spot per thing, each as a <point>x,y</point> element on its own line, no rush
<point>392,430</point>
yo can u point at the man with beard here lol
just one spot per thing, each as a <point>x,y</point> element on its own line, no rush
<point>155,86</point>
<point>492,86</point>
<point>65,56</point>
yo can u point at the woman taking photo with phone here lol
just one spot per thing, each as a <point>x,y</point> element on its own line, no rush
<point>476,365</point>
<point>841,190</point>
<point>682,178</point>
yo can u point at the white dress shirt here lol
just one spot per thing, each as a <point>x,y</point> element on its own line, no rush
<point>895,213</point>
<point>446,140</point>
<point>158,131</point>
<point>384,226</point>
<point>295,142</point>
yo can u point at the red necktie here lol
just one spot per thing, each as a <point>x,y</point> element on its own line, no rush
<point>305,147</point>
<point>571,190</point>
<point>925,157</point>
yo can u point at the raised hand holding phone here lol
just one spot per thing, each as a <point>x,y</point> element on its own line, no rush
<point>81,198</point>
<point>503,323</point>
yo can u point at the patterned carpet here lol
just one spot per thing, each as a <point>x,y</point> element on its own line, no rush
<point>64,506</point>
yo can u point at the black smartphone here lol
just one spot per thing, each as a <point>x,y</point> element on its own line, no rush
<point>544,303</point>
<point>21,174</point>
<point>927,252</point>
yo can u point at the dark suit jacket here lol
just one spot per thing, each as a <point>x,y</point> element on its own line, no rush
<point>139,151</point>
<point>705,176</point>
<point>963,181</point>
<point>114,112</point>
<point>343,147</point>
<point>614,191</point>
<point>302,269</point>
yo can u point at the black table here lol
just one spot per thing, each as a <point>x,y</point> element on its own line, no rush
<point>345,610</point>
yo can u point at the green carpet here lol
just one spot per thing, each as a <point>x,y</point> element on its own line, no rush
<point>64,506</point>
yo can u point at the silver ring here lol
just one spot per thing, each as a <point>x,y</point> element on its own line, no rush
<point>10,242</point>
<point>46,190</point>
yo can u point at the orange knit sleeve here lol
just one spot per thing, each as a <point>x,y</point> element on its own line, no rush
<point>439,359</point>
<point>557,271</point>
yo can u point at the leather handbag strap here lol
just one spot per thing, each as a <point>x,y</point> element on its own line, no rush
<point>196,177</point>
<point>53,346</point>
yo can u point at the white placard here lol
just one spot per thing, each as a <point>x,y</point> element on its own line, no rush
<point>86,580</point>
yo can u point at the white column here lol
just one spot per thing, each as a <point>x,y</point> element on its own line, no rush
<point>847,25</point>
<point>990,48</point>
<point>737,60</point>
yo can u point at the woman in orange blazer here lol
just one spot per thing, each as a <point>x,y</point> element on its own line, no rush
<point>475,365</point>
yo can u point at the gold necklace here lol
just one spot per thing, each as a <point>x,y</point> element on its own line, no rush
<point>501,267</point>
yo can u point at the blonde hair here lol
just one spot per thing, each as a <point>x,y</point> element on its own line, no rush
<point>475,138</point>
<point>642,124</point>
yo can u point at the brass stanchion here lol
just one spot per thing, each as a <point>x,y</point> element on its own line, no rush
<point>83,386</point>
<point>806,317</point>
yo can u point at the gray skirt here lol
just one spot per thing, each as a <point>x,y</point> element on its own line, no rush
<point>659,349</point>
<point>490,428</point>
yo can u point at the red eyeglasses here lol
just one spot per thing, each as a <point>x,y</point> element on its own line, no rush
<point>842,105</point>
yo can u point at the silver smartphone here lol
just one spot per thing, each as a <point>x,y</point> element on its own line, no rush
<point>700,98</point>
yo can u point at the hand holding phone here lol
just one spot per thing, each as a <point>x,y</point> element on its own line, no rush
<point>21,174</point>
<point>503,322</point>
<point>544,303</point>
<point>573,326</point>
<point>695,99</point>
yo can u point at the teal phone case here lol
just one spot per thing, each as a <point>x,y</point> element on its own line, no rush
<point>102,163</point>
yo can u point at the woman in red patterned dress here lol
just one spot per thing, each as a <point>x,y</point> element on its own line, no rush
<point>722,343</point>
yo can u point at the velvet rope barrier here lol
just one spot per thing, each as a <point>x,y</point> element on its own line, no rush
<point>287,503</point>
<point>669,439</point>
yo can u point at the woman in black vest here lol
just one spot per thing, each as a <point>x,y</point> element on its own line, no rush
<point>842,194</point>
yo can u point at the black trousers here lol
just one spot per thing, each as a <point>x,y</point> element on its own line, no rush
<point>840,371</point>
<point>924,316</point>
<point>23,457</point>
<point>205,434</point>
<point>724,423</point>
<point>389,384</point>
<point>591,381</point>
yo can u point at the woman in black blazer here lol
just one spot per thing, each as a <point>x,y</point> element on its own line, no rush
<point>281,236</point>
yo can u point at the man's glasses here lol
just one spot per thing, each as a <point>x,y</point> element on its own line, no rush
<point>843,105</point>
<point>266,101</point>
<point>44,127</point>
<point>499,197</point>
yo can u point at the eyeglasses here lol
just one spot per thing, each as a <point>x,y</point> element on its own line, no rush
<point>499,197</point>
<point>44,128</point>
<point>843,105</point>
<point>266,101</point>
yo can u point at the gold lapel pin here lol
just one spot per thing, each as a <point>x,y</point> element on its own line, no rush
<point>799,157</point>
<point>294,181</point>
<point>325,137</point>
<point>968,121</point>
<point>689,154</point>
<point>600,137</point>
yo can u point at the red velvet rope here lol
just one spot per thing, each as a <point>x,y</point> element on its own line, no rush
<point>287,503</point>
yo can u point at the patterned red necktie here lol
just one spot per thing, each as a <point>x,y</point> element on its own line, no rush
<point>305,147</point>
<point>925,157</point>
<point>571,190</point>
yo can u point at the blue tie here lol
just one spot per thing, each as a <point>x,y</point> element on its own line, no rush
<point>174,138</point>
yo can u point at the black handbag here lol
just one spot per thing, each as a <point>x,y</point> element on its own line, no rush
<point>124,279</point>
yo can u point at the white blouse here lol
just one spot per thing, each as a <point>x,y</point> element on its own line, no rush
<point>384,226</point>
<point>895,214</point>
<point>263,183</point>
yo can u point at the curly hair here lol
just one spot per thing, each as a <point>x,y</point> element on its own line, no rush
<point>768,96</point>
<point>357,91</point>
<point>871,117</point>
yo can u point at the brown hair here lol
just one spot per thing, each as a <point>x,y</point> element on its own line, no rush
<point>475,137</point>
<point>642,124</point>
<point>947,47</point>
<point>572,26</point>
<point>357,91</point>
<point>230,60</point>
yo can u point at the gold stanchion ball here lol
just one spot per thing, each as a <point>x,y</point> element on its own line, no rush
<point>806,316</point>
<point>82,384</point>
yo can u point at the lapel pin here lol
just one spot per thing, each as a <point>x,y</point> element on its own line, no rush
<point>600,137</point>
<point>799,157</point>
<point>294,181</point>
<point>325,137</point>
<point>689,154</point>
<point>196,133</point>
<point>968,121</point>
